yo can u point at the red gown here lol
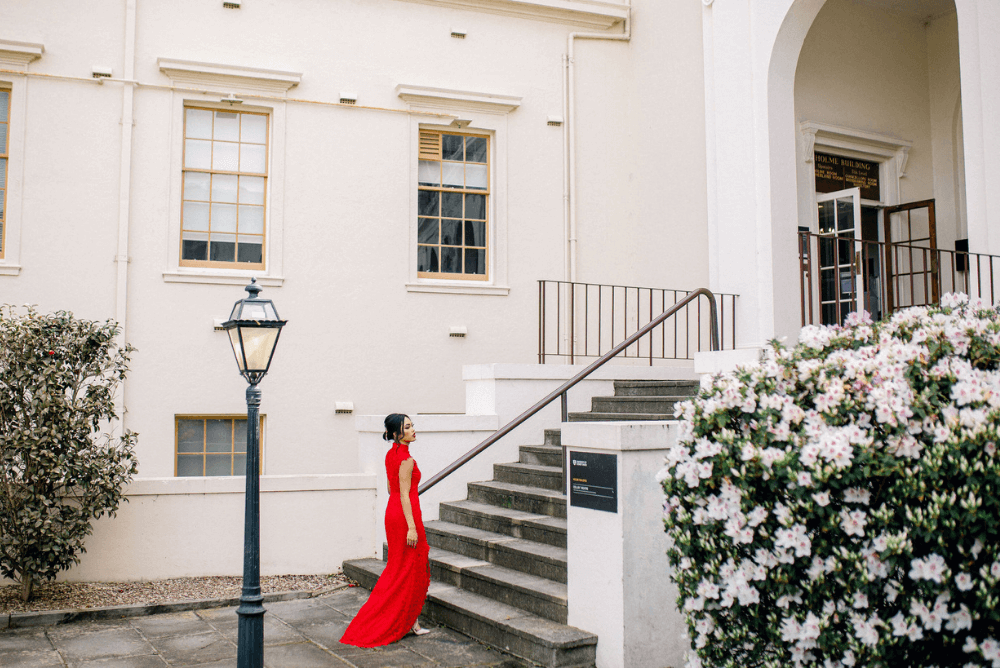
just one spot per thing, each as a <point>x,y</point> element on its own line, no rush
<point>398,596</point>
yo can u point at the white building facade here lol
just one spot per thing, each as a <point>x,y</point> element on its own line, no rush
<point>390,170</point>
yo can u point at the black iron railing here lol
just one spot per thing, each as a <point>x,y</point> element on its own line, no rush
<point>577,321</point>
<point>561,391</point>
<point>842,274</point>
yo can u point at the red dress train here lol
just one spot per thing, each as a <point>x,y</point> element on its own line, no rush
<point>398,596</point>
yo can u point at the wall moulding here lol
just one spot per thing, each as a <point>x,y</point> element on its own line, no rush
<point>444,98</point>
<point>251,79</point>
<point>17,55</point>
<point>593,14</point>
<point>860,142</point>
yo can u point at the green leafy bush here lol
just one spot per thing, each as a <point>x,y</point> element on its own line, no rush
<point>60,467</point>
<point>839,503</point>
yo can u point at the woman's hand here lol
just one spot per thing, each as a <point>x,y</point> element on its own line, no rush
<point>411,537</point>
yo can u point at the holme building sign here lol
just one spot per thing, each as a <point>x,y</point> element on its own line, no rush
<point>593,481</point>
<point>834,172</point>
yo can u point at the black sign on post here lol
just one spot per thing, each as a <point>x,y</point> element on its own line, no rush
<point>593,481</point>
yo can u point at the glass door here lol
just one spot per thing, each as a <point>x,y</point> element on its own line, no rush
<point>840,261</point>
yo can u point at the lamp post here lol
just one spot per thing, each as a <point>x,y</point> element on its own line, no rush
<point>253,328</point>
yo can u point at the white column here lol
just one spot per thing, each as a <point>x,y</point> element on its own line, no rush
<point>618,576</point>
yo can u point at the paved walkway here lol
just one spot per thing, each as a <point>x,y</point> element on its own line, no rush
<point>297,634</point>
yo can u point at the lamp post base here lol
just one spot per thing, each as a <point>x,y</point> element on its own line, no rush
<point>250,632</point>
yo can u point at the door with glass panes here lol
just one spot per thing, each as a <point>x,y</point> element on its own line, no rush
<point>841,271</point>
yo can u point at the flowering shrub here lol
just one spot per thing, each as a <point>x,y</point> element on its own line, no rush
<point>839,503</point>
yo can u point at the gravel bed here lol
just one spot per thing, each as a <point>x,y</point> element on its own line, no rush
<point>77,595</point>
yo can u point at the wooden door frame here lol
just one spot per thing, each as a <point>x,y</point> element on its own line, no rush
<point>931,238</point>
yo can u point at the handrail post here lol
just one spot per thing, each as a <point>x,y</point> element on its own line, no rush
<point>564,401</point>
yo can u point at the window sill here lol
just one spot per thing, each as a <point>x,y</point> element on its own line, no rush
<point>221,277</point>
<point>459,288</point>
<point>10,269</point>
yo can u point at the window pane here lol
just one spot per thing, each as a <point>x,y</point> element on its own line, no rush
<point>251,190</point>
<point>253,158</point>
<point>219,435</point>
<point>451,205</point>
<point>825,217</point>
<point>222,251</point>
<point>475,206</point>
<point>452,174</point>
<point>225,156</point>
<point>427,258</point>
<point>3,137</point>
<point>476,177</point>
<point>196,216</point>
<point>429,173</point>
<point>199,124</point>
<point>188,465</point>
<point>197,154</point>
<point>224,187</point>
<point>475,233</point>
<point>4,103</point>
<point>427,231</point>
<point>239,465</point>
<point>475,261</point>
<point>196,185</point>
<point>251,219</point>
<point>227,126</point>
<point>223,218</point>
<point>218,465</point>
<point>249,252</point>
<point>427,202</point>
<point>3,172</point>
<point>194,249</point>
<point>451,260</point>
<point>451,232</point>
<point>451,146</point>
<point>475,149</point>
<point>253,128</point>
<point>190,434</point>
<point>240,436</point>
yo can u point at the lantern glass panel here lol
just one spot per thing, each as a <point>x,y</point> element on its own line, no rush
<point>234,338</point>
<point>258,344</point>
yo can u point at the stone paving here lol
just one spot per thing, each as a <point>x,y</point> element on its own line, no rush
<point>297,634</point>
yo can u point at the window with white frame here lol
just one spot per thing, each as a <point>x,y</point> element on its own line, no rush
<point>224,188</point>
<point>4,159</point>
<point>453,205</point>
<point>212,445</point>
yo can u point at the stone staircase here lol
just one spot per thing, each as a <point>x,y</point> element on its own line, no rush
<point>498,558</point>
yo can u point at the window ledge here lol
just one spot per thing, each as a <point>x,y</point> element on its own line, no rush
<point>17,55</point>
<point>444,98</point>
<point>459,288</point>
<point>587,13</point>
<point>10,269</point>
<point>232,76</point>
<point>221,277</point>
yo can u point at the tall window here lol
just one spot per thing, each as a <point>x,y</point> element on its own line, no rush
<point>211,446</point>
<point>225,178</point>
<point>453,206</point>
<point>4,143</point>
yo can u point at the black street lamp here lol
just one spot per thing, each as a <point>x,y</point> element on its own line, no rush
<point>253,328</point>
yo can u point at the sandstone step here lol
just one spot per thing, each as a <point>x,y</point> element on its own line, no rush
<point>502,626</point>
<point>529,475</point>
<point>545,455</point>
<point>537,595</point>
<point>618,417</point>
<point>553,437</point>
<point>657,388</point>
<point>526,556</point>
<point>519,497</point>
<point>635,404</point>
<point>517,523</point>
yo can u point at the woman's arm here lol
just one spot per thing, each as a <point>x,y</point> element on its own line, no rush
<point>405,473</point>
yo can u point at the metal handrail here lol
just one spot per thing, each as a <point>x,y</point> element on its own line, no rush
<point>564,388</point>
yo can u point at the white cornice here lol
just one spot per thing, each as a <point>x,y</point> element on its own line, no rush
<point>599,14</point>
<point>186,72</point>
<point>444,98</point>
<point>858,141</point>
<point>17,55</point>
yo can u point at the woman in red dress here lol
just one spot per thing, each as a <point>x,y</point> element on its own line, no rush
<point>395,603</point>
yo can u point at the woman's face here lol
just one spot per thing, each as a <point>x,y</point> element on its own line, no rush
<point>409,434</point>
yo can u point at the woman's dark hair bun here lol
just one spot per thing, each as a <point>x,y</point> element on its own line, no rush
<point>394,427</point>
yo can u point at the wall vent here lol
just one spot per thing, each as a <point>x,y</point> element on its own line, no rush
<point>458,34</point>
<point>101,72</point>
<point>348,100</point>
<point>343,407</point>
<point>555,121</point>
<point>231,4</point>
